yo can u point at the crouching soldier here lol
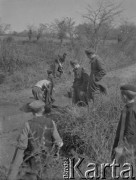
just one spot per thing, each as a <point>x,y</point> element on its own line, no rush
<point>125,139</point>
<point>43,89</point>
<point>96,75</point>
<point>34,144</point>
<point>80,84</point>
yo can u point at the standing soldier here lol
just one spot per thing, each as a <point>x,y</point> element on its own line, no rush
<point>125,139</point>
<point>80,84</point>
<point>34,144</point>
<point>96,75</point>
<point>42,90</point>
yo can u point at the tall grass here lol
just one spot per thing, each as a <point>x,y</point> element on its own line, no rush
<point>24,64</point>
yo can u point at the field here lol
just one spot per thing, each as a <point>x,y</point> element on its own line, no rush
<point>24,63</point>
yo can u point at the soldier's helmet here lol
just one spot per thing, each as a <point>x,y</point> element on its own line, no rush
<point>128,87</point>
<point>128,90</point>
<point>35,106</point>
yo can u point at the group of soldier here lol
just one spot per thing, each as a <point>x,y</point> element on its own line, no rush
<point>40,135</point>
<point>85,86</point>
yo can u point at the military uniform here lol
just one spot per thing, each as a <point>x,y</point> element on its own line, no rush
<point>80,85</point>
<point>37,90</point>
<point>43,90</point>
<point>126,131</point>
<point>96,75</point>
<point>34,144</point>
<point>57,67</point>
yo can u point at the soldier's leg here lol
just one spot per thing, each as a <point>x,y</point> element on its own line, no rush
<point>90,96</point>
<point>51,93</point>
<point>74,96</point>
<point>34,92</point>
<point>40,95</point>
<point>83,98</point>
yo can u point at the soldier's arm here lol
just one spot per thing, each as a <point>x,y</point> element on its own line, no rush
<point>100,70</point>
<point>19,153</point>
<point>56,136</point>
<point>45,86</point>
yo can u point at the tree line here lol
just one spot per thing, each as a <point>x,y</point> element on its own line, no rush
<point>98,26</point>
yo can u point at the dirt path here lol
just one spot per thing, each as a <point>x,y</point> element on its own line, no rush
<point>12,119</point>
<point>124,74</point>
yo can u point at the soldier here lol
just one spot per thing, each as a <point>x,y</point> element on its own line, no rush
<point>34,144</point>
<point>43,89</point>
<point>125,139</point>
<point>96,75</point>
<point>57,65</point>
<point>80,84</point>
<point>62,58</point>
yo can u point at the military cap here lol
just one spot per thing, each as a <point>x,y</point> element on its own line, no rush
<point>33,106</point>
<point>127,87</point>
<point>128,90</point>
<point>90,51</point>
<point>37,104</point>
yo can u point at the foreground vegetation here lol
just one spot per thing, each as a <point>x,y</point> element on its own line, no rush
<point>86,133</point>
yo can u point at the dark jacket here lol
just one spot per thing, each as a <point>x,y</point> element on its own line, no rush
<point>34,142</point>
<point>97,73</point>
<point>97,68</point>
<point>80,86</point>
<point>126,129</point>
<point>81,79</point>
<point>40,133</point>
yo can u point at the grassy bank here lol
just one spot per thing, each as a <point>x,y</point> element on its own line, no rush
<point>23,63</point>
<point>89,133</point>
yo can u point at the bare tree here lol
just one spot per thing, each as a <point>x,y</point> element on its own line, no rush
<point>40,30</point>
<point>60,28</point>
<point>4,28</point>
<point>70,26</point>
<point>126,32</point>
<point>64,28</point>
<point>103,14</point>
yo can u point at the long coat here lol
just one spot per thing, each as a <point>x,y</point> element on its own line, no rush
<point>96,75</point>
<point>126,130</point>
<point>80,85</point>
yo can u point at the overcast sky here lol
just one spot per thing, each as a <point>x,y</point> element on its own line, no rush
<point>20,13</point>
